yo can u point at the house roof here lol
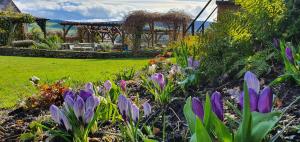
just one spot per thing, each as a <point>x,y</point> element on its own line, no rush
<point>5,3</point>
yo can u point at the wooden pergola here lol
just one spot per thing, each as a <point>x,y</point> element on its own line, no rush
<point>91,29</point>
<point>42,23</point>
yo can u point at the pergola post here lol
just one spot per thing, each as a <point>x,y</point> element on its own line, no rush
<point>42,23</point>
<point>66,30</point>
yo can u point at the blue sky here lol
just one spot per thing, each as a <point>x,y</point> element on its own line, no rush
<point>106,10</point>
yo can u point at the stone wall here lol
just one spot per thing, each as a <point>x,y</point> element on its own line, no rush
<point>4,51</point>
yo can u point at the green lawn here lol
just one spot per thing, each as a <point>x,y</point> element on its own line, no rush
<point>15,72</point>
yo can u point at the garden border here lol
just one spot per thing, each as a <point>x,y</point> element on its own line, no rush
<point>7,51</point>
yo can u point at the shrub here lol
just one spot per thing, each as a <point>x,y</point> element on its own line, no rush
<point>51,43</point>
<point>238,36</point>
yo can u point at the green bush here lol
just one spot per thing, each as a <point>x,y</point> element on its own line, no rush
<point>50,43</point>
<point>241,38</point>
<point>291,25</point>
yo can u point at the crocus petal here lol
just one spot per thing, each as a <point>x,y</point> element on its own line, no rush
<point>107,85</point>
<point>123,105</point>
<point>217,105</point>
<point>90,103</point>
<point>55,113</point>
<point>135,113</point>
<point>68,102</point>
<point>252,81</point>
<point>265,100</point>
<point>97,101</point>
<point>197,108</point>
<point>69,93</point>
<point>65,121</point>
<point>289,54</point>
<point>79,107</point>
<point>147,109</point>
<point>84,94</point>
<point>253,100</point>
<point>123,85</point>
<point>88,116</point>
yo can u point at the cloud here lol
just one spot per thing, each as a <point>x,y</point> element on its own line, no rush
<point>105,10</point>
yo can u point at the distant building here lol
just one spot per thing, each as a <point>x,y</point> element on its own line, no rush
<point>8,4</point>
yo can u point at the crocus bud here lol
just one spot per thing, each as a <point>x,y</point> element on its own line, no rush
<point>135,113</point>
<point>265,101</point>
<point>107,85</point>
<point>217,105</point>
<point>197,107</point>
<point>253,99</point>
<point>123,85</point>
<point>123,106</point>
<point>79,107</point>
<point>159,79</point>
<point>289,54</point>
<point>193,63</point>
<point>55,113</point>
<point>65,121</point>
<point>252,81</point>
<point>147,109</point>
<point>89,87</point>
<point>88,116</point>
<point>276,42</point>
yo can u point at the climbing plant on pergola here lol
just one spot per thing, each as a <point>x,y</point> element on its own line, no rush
<point>135,22</point>
<point>9,22</point>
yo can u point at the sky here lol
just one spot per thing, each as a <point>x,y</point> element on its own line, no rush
<point>108,10</point>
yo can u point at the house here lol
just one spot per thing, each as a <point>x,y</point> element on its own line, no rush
<point>8,4</point>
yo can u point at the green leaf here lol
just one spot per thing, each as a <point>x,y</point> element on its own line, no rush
<point>201,133</point>
<point>263,124</point>
<point>244,131</point>
<point>207,113</point>
<point>189,115</point>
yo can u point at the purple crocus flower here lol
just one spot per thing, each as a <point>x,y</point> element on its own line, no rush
<point>265,100</point>
<point>89,87</point>
<point>217,105</point>
<point>79,107</point>
<point>123,106</point>
<point>193,63</point>
<point>197,107</point>
<point>159,79</point>
<point>289,54</point>
<point>55,113</point>
<point>88,116</point>
<point>107,85</point>
<point>135,112</point>
<point>123,85</point>
<point>147,109</point>
<point>259,101</point>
